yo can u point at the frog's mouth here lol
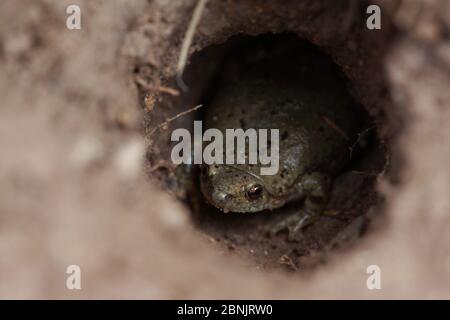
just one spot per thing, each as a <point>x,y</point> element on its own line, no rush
<point>229,200</point>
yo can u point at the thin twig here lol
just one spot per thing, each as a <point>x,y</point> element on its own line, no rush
<point>190,32</point>
<point>333,125</point>
<point>358,140</point>
<point>164,89</point>
<point>370,174</point>
<point>168,90</point>
<point>166,123</point>
<point>286,260</point>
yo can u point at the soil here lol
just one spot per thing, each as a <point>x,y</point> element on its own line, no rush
<point>354,192</point>
<point>86,179</point>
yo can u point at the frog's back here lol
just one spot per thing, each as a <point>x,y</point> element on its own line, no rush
<point>295,90</point>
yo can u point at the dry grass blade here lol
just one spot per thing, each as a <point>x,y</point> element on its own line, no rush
<point>190,32</point>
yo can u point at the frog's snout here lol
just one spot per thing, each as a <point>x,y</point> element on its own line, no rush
<point>216,196</point>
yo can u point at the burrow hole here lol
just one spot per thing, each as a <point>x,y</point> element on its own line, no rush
<point>354,199</point>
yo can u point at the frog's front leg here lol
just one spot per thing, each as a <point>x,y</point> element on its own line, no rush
<point>315,189</point>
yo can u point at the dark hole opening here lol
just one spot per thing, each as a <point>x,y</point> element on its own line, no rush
<point>353,194</point>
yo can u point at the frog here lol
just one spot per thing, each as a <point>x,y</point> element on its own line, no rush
<point>291,86</point>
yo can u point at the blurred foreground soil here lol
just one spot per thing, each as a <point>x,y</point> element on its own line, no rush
<point>73,188</point>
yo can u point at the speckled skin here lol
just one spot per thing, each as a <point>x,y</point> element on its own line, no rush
<point>293,88</point>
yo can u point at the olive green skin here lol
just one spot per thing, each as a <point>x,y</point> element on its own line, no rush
<point>293,88</point>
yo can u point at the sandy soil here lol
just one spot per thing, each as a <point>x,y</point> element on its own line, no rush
<point>76,187</point>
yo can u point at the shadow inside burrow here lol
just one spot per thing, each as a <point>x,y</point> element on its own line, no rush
<point>354,189</point>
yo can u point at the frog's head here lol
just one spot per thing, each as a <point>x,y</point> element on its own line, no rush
<point>231,189</point>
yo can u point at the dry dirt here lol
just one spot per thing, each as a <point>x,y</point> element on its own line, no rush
<point>78,110</point>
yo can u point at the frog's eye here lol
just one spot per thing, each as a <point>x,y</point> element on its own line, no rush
<point>254,192</point>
